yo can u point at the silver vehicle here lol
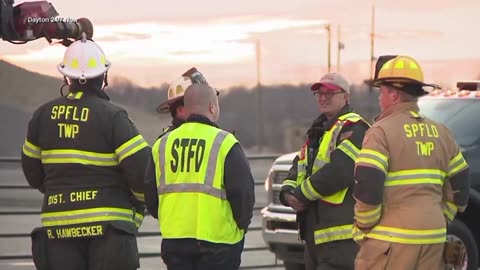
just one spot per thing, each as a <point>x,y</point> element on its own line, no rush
<point>280,230</point>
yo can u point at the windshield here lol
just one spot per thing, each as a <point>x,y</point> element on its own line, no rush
<point>461,116</point>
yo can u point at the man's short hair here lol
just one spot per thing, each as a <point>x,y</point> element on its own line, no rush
<point>174,106</point>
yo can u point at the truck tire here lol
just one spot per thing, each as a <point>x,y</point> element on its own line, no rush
<point>293,266</point>
<point>459,230</point>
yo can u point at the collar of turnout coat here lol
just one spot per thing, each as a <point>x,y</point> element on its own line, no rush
<point>198,118</point>
<point>321,123</point>
<point>399,107</point>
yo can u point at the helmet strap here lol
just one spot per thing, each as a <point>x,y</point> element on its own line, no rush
<point>412,89</point>
<point>65,83</point>
<point>105,81</point>
<point>101,92</point>
<point>84,37</point>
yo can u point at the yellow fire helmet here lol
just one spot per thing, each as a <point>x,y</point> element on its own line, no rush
<point>177,88</point>
<point>84,59</point>
<point>400,71</point>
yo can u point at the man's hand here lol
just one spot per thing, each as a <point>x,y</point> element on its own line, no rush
<point>454,254</point>
<point>295,203</point>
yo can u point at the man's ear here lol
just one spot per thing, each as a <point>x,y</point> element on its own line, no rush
<point>396,94</point>
<point>211,107</point>
<point>181,110</point>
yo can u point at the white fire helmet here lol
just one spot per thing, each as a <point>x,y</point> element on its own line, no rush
<point>177,88</point>
<point>84,59</point>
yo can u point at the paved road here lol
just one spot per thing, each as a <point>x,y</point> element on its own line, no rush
<point>21,200</point>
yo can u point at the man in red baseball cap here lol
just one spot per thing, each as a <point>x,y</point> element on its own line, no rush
<point>332,92</point>
<point>320,182</point>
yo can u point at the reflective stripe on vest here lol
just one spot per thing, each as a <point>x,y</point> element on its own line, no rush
<point>456,164</point>
<point>55,156</point>
<point>327,145</point>
<point>193,187</point>
<point>329,140</point>
<point>403,236</point>
<point>449,210</point>
<point>373,158</point>
<point>357,234</point>
<point>318,163</point>
<point>288,182</point>
<point>31,150</point>
<point>192,200</point>
<point>207,186</point>
<point>139,196</point>
<point>130,147</point>
<point>369,217</point>
<point>90,215</point>
<point>415,177</point>
<point>333,234</point>
<point>165,130</point>
<point>349,149</point>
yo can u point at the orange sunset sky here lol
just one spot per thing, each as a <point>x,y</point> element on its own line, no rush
<point>151,42</point>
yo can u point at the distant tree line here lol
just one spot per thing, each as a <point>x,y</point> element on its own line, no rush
<point>282,108</point>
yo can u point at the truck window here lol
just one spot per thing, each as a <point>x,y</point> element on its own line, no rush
<point>461,116</point>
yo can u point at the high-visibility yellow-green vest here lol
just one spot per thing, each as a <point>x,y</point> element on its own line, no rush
<point>327,145</point>
<point>342,229</point>
<point>189,165</point>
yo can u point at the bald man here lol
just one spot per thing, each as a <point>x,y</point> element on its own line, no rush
<point>199,186</point>
<point>202,100</point>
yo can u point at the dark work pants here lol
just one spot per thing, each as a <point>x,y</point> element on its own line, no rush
<point>116,249</point>
<point>192,254</point>
<point>336,255</point>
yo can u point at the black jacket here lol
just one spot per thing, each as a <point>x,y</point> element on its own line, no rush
<point>330,179</point>
<point>238,181</point>
<point>88,124</point>
<point>176,122</point>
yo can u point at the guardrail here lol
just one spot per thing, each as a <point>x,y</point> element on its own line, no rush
<point>4,160</point>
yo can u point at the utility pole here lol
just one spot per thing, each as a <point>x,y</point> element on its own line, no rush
<point>340,47</point>
<point>257,53</point>
<point>372,43</point>
<point>329,45</point>
<point>259,97</point>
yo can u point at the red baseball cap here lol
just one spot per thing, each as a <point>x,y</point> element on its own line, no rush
<point>332,81</point>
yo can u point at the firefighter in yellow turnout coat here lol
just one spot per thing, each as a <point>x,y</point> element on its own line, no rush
<point>411,178</point>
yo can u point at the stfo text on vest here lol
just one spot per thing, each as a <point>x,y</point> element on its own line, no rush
<point>187,154</point>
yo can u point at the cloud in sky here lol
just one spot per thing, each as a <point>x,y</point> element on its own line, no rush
<point>205,43</point>
<point>122,36</point>
<point>152,41</point>
<point>405,34</point>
